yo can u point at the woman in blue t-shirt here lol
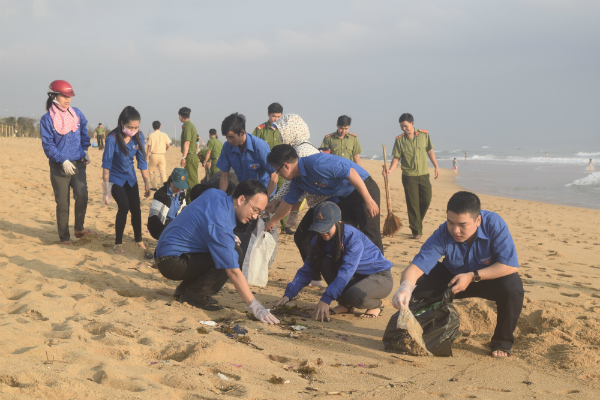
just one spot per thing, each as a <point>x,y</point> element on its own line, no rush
<point>356,271</point>
<point>122,145</point>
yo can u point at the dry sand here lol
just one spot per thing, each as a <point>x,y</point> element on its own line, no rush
<point>81,322</point>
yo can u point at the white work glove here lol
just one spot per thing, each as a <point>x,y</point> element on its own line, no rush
<point>87,157</point>
<point>402,296</point>
<point>292,219</point>
<point>262,313</point>
<point>68,167</point>
<point>106,189</point>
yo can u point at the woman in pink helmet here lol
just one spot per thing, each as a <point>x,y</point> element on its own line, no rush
<point>65,141</point>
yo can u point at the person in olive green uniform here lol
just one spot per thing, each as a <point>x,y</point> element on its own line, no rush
<point>343,143</point>
<point>189,149</point>
<point>99,134</point>
<point>273,137</point>
<point>213,147</point>
<point>412,148</point>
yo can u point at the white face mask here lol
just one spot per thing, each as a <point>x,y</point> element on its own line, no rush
<point>128,132</point>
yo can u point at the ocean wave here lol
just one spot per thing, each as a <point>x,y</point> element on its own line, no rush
<point>582,154</point>
<point>590,180</point>
<point>515,159</point>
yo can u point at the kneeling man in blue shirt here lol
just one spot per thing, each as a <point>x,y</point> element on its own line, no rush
<point>480,260</point>
<point>199,247</point>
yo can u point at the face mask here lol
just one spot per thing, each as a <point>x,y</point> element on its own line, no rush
<point>128,132</point>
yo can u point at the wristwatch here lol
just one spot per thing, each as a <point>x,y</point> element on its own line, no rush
<point>476,278</point>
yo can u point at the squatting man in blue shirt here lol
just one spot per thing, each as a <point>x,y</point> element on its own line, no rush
<point>480,260</point>
<point>199,247</point>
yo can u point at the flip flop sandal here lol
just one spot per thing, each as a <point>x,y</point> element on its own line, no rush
<point>500,349</point>
<point>365,315</point>
<point>80,234</point>
<point>69,243</point>
<point>117,250</point>
<point>350,311</point>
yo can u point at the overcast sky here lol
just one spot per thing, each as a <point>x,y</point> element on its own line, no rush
<point>471,72</point>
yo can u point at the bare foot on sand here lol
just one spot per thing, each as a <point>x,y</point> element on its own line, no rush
<point>141,245</point>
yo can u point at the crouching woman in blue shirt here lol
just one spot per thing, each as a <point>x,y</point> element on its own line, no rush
<point>480,260</point>
<point>199,248</point>
<point>122,145</point>
<point>354,268</point>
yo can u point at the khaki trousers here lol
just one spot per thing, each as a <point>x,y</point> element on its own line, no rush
<point>157,160</point>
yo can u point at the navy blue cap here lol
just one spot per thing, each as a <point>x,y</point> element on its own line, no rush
<point>325,216</point>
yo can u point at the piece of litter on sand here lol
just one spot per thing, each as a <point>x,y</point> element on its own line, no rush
<point>237,365</point>
<point>343,338</point>
<point>209,323</point>
<point>361,365</point>
<point>240,330</point>
<point>298,327</point>
<point>220,375</point>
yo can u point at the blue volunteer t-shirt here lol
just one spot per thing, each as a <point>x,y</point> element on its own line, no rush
<point>121,164</point>
<point>493,243</point>
<point>323,174</point>
<point>249,164</point>
<point>205,225</point>
<point>361,256</point>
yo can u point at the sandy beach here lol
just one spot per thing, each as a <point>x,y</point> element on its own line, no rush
<point>82,322</point>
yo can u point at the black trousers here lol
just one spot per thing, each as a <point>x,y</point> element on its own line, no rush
<point>197,272</point>
<point>353,212</point>
<point>62,184</point>
<point>128,199</point>
<point>362,291</point>
<point>507,292</point>
<point>353,209</point>
<point>100,140</point>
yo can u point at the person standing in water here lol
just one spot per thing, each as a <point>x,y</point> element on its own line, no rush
<point>590,165</point>
<point>123,144</point>
<point>455,165</point>
<point>65,142</point>
<point>465,157</point>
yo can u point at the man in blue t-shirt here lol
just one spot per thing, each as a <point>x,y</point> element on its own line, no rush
<point>351,187</point>
<point>480,260</point>
<point>199,247</point>
<point>246,154</point>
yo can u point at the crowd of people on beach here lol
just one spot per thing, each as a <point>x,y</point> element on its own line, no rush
<point>203,228</point>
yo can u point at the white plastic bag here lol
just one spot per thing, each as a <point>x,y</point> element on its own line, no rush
<point>260,260</point>
<point>259,256</point>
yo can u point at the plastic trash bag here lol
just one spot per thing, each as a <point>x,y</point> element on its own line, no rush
<point>439,322</point>
<point>259,256</point>
<point>404,335</point>
<point>94,143</point>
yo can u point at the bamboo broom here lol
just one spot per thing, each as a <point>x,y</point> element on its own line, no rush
<point>392,223</point>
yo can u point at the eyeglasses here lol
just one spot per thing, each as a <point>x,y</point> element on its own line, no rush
<point>256,210</point>
<point>279,169</point>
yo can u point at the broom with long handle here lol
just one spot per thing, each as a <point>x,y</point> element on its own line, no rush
<point>392,223</point>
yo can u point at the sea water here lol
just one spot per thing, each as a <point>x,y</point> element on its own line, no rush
<point>561,178</point>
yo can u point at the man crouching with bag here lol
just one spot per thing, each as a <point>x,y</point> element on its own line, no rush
<point>199,247</point>
<point>480,260</point>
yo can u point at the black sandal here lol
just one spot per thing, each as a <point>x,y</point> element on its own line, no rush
<point>365,315</point>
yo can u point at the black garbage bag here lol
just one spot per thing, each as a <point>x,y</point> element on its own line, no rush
<point>438,325</point>
<point>440,322</point>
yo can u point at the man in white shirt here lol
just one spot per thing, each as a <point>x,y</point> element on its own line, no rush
<point>158,144</point>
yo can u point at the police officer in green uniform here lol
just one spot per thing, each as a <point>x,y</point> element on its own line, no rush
<point>412,148</point>
<point>272,136</point>
<point>213,147</point>
<point>189,149</point>
<point>343,143</point>
<point>100,136</point>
